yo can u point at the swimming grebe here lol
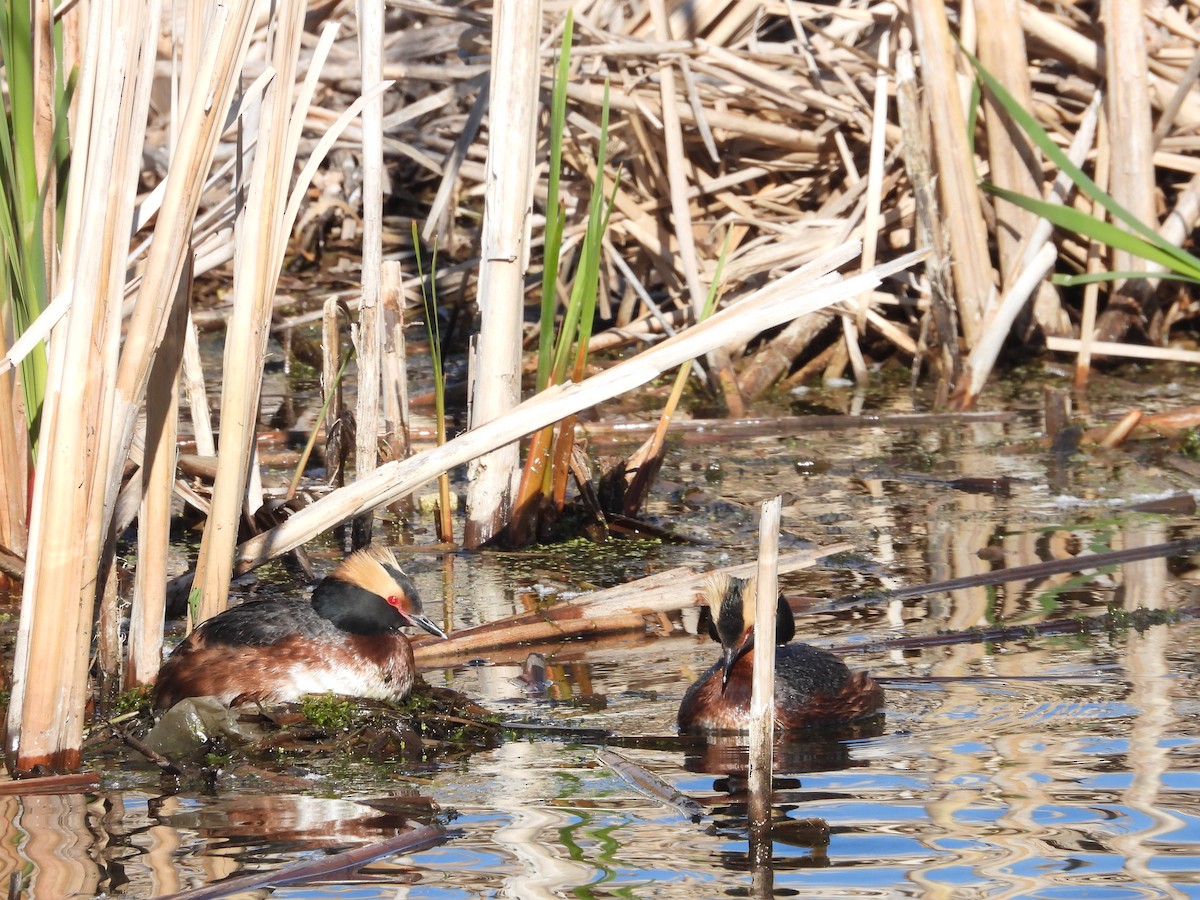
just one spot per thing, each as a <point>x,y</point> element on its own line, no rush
<point>812,686</point>
<point>345,640</point>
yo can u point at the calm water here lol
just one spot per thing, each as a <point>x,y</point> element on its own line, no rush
<point>1049,766</point>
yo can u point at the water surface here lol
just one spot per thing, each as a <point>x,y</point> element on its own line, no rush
<point>1047,766</point>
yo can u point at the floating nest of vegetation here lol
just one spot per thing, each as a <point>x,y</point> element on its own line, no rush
<point>200,736</point>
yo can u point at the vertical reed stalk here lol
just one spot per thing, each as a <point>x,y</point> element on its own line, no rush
<point>14,466</point>
<point>148,612</point>
<point>193,371</point>
<point>955,170</point>
<point>1095,260</point>
<point>46,711</point>
<point>942,337</point>
<point>1013,162</point>
<point>395,365</point>
<point>370,314</point>
<point>496,357</point>
<point>1127,105</point>
<point>762,691</point>
<point>534,474</point>
<point>445,529</point>
<point>256,272</point>
<point>331,387</point>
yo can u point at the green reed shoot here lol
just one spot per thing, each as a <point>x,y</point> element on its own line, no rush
<point>552,244</point>
<point>24,281</point>
<point>1143,241</point>
<point>581,308</point>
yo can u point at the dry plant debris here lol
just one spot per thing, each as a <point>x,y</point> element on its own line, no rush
<point>777,106</point>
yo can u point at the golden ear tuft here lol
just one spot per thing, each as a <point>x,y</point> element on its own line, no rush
<point>715,588</point>
<point>371,568</point>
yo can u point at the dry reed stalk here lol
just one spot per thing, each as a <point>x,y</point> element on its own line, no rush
<point>774,359</point>
<point>780,301</point>
<point>941,322</point>
<point>625,607</point>
<point>331,391</point>
<point>956,177</point>
<point>369,14</point>
<point>1127,351</point>
<point>14,467</point>
<point>1131,178</point>
<point>45,726</point>
<point>762,691</point>
<point>1095,260</point>
<point>496,357</point>
<point>148,611</point>
<point>1036,257</point>
<point>395,365</point>
<point>256,270</point>
<point>186,64</point>
<point>227,31</point>
<point>1119,432</point>
<point>1012,160</point>
<point>197,392</point>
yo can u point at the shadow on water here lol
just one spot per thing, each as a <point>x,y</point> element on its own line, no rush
<point>1037,765</point>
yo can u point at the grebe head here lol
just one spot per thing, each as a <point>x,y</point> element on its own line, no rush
<point>731,603</point>
<point>369,593</point>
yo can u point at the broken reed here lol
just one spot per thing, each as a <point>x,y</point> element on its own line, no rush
<point>645,462</point>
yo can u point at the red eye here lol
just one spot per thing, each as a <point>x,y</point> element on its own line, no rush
<point>394,601</point>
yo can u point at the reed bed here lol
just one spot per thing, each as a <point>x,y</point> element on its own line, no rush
<point>780,124</point>
<point>770,140</point>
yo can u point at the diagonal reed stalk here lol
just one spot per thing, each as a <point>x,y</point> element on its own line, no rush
<point>645,462</point>
<point>811,287</point>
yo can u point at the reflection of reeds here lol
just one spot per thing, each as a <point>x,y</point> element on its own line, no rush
<point>1150,691</point>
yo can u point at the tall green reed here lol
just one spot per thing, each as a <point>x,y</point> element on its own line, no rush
<point>24,278</point>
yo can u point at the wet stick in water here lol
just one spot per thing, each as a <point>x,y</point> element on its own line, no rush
<point>646,782</point>
<point>762,698</point>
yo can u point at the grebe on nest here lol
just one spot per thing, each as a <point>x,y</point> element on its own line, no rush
<point>346,639</point>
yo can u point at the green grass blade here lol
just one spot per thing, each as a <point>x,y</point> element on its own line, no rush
<point>1042,139</point>
<point>592,252</point>
<point>1098,230</point>
<point>434,330</point>
<point>1091,277</point>
<point>552,245</point>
